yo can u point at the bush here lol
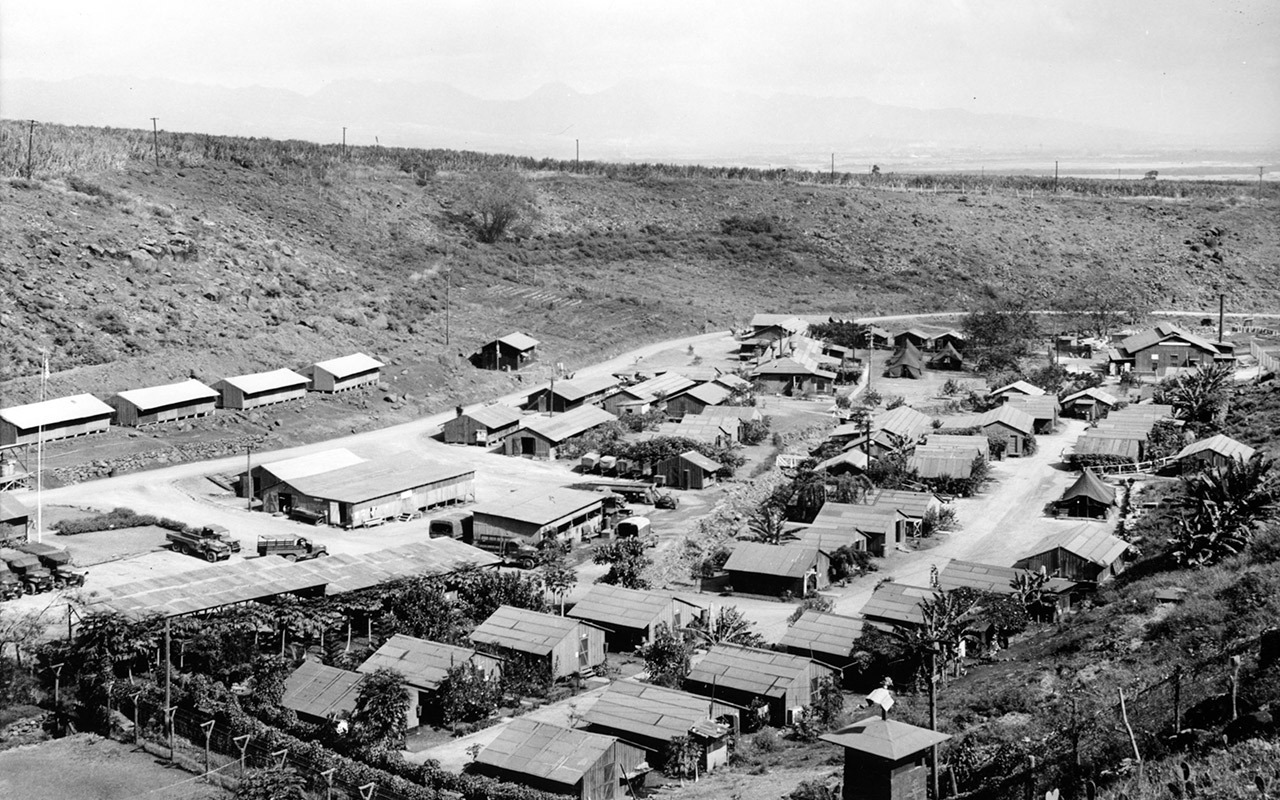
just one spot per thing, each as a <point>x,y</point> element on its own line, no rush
<point>115,519</point>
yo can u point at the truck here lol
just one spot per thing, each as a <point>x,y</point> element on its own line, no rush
<point>636,528</point>
<point>514,550</point>
<point>289,547</point>
<point>57,561</point>
<point>34,576</point>
<point>454,525</point>
<point>10,584</point>
<point>221,534</point>
<point>194,542</point>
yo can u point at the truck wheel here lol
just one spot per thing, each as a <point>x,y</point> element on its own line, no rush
<point>290,557</point>
<point>210,556</point>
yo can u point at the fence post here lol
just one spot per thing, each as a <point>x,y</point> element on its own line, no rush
<point>1030,786</point>
<point>207,727</point>
<point>328,779</point>
<point>242,741</point>
<point>366,791</point>
<point>1177,700</point>
<point>168,720</point>
<point>137,727</point>
<point>280,756</point>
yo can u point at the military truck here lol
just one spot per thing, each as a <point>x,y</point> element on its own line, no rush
<point>35,577</point>
<point>221,534</point>
<point>10,584</point>
<point>195,542</point>
<point>454,525</point>
<point>290,548</point>
<point>637,528</point>
<point>57,561</point>
<point>514,550</point>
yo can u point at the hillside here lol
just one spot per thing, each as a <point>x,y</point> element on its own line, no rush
<point>240,255</point>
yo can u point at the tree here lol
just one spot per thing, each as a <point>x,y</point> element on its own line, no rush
<point>497,202</point>
<point>818,602</point>
<point>849,562</point>
<point>850,488</point>
<point>379,719</point>
<point>480,592</point>
<point>728,626</point>
<point>271,784</point>
<point>826,704</point>
<point>680,757</point>
<point>466,694</point>
<point>1199,397</point>
<point>999,335</point>
<point>841,333</point>
<point>1227,503</point>
<point>557,573</point>
<point>627,559</point>
<point>420,606</point>
<point>767,525</point>
<point>755,431</point>
<point>1098,304</point>
<point>666,657</point>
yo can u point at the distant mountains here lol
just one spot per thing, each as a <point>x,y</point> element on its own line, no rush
<point>631,121</point>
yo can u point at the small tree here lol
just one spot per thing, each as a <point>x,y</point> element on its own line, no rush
<point>680,757</point>
<point>627,560</point>
<point>818,602</point>
<point>497,202</point>
<point>728,626</point>
<point>379,719</point>
<point>557,573</point>
<point>271,784</point>
<point>466,694</point>
<point>848,561</point>
<point>767,525</point>
<point>666,657</point>
<point>826,704</point>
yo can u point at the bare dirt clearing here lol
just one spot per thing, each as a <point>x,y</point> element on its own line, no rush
<point>91,767</point>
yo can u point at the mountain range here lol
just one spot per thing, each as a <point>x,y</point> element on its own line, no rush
<point>652,120</point>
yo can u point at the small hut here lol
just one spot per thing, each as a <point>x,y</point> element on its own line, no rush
<point>1089,496</point>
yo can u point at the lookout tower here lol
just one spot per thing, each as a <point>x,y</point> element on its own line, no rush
<point>885,759</point>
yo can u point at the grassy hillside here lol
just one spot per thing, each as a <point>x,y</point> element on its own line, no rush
<point>239,255</point>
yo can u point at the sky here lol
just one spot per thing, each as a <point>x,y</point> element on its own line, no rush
<point>1150,65</point>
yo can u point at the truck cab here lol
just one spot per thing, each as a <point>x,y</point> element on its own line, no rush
<point>57,561</point>
<point>223,535</point>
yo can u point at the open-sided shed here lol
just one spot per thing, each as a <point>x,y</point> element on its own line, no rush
<point>155,404</point>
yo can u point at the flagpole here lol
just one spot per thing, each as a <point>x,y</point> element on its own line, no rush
<point>44,380</point>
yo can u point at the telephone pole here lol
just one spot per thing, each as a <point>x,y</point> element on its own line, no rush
<point>448,290</point>
<point>833,166</point>
<point>344,142</point>
<point>577,156</point>
<point>31,132</point>
<point>1055,177</point>
<point>155,140</point>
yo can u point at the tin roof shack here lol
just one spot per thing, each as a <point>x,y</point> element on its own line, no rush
<point>885,759</point>
<point>652,716</point>
<point>1089,496</point>
<point>562,396</point>
<point>1216,451</point>
<point>1017,387</point>
<point>1014,425</point>
<point>60,418</point>
<point>262,389</point>
<point>988,578</point>
<point>530,516</point>
<point>267,476</point>
<point>697,399</point>
<point>975,444</point>
<point>720,431</point>
<point>318,693</point>
<point>487,426</point>
<point>740,675</point>
<point>540,436</point>
<point>15,520</point>
<point>345,373</point>
<point>914,338</point>
<point>630,617</point>
<point>1166,347</point>
<point>153,405</point>
<point>1044,410</point>
<point>942,462</point>
<point>771,569</point>
<point>896,604</point>
<point>830,638</point>
<point>1089,404</point>
<point>691,470</point>
<point>1086,553</point>
<point>511,352</point>
<point>562,645</point>
<point>559,760</point>
<point>424,665</point>
<point>640,398</point>
<point>798,373</point>
<point>369,492</point>
<point>881,525</point>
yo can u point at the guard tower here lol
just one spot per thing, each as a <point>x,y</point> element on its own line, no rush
<point>885,759</point>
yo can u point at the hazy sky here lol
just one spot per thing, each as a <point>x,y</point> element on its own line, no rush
<point>1140,64</point>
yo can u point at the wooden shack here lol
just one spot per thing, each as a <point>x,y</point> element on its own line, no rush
<point>741,675</point>
<point>885,759</point>
<point>562,396</point>
<point>60,418</point>
<point>509,353</point>
<point>425,665</point>
<point>541,436</point>
<point>487,426</point>
<point>1015,426</point>
<point>153,405</point>
<point>15,520</point>
<point>769,569</point>
<point>691,470</point>
<point>1215,452</point>
<point>630,617</point>
<point>563,645</point>
<point>259,389</point>
<point>1089,404</point>
<point>1084,553</point>
<point>345,373</point>
<point>652,717</point>
<point>829,638</point>
<point>320,694</point>
<point>563,761</point>
<point>697,399</point>
<point>533,515</point>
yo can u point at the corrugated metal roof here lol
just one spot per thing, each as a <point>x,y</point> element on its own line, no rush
<point>615,606</point>
<point>709,393</point>
<point>1019,387</point>
<point>1093,393</point>
<point>1091,486</point>
<point>519,341</point>
<point>897,603</point>
<point>189,391</point>
<point>789,321</point>
<point>959,574</point>
<point>1162,332</point>
<point>57,411</point>
<point>653,712</point>
<point>1015,418</point>
<point>980,445</point>
<point>1091,541</point>
<point>393,474</point>
<point>886,738</point>
<point>790,366</point>
<point>699,460</point>
<point>540,506</point>
<point>345,366</point>
<point>562,427</point>
<point>258,382</point>
<point>12,508</point>
<point>854,458</point>
<point>771,559</point>
<point>1221,444</point>
<point>668,384</point>
<point>824,634</point>
<point>940,461</point>
<point>495,416</point>
<point>904,421</point>
<point>1045,407</point>
<point>321,691</point>
<point>312,464</point>
<point>742,413</point>
<point>579,388</point>
<point>701,428</point>
<point>733,382</point>
<point>909,504</point>
<point>1125,447</point>
<point>866,518</point>
<point>1143,411</point>
<point>524,630</point>
<point>541,750</point>
<point>423,663</point>
<point>764,673</point>
<point>828,540</point>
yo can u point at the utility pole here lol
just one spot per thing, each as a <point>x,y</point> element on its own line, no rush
<point>833,166</point>
<point>1055,177</point>
<point>1222,305</point>
<point>31,132</point>
<point>168,686</point>
<point>448,290</point>
<point>155,140</point>
<point>933,717</point>
<point>344,142</point>
<point>577,156</point>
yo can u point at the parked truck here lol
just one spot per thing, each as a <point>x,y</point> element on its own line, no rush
<point>514,550</point>
<point>454,525</point>
<point>34,576</point>
<point>636,528</point>
<point>221,534</point>
<point>290,548</point>
<point>195,542</point>
<point>57,561</point>
<point>10,584</point>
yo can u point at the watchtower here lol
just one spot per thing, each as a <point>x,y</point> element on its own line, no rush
<point>885,759</point>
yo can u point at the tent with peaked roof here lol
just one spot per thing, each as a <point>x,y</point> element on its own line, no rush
<point>1089,496</point>
<point>947,358</point>
<point>904,363</point>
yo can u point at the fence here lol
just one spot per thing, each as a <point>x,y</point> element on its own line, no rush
<point>1266,361</point>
